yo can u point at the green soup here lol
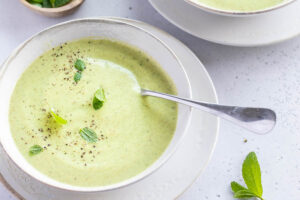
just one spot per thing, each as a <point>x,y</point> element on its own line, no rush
<point>133,131</point>
<point>240,5</point>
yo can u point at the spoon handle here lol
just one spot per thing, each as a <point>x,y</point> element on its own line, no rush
<point>257,120</point>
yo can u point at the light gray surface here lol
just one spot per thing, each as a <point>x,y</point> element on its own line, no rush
<point>264,76</point>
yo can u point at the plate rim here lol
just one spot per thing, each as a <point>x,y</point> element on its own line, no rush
<point>215,96</point>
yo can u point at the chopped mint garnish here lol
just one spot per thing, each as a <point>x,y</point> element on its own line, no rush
<point>88,134</point>
<point>79,65</point>
<point>99,99</point>
<point>77,76</point>
<point>35,149</point>
<point>57,118</point>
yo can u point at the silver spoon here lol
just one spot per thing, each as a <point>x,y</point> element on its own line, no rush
<point>257,120</point>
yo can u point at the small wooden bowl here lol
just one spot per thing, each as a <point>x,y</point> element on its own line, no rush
<point>54,12</point>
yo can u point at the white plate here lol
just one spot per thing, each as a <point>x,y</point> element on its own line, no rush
<point>173,178</point>
<point>264,29</point>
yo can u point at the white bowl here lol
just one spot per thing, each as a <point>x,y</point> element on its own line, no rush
<point>234,13</point>
<point>27,52</point>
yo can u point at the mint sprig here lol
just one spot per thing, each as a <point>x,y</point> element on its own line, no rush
<point>252,177</point>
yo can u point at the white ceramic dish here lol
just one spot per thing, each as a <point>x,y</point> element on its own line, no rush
<point>234,13</point>
<point>73,30</point>
<point>270,28</point>
<point>173,178</point>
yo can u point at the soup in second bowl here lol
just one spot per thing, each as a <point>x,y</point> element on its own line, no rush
<point>77,116</point>
<point>240,5</point>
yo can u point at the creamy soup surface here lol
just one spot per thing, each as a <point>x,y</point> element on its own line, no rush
<point>240,5</point>
<point>132,131</point>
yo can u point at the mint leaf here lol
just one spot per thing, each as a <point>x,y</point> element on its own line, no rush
<point>46,4</point>
<point>237,187</point>
<point>77,76</point>
<point>251,174</point>
<point>242,194</point>
<point>57,118</point>
<point>79,65</point>
<point>52,3</point>
<point>88,134</point>
<point>35,1</point>
<point>99,99</point>
<point>36,4</point>
<point>240,191</point>
<point>59,3</point>
<point>35,149</point>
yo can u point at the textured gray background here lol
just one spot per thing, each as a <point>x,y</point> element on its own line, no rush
<point>264,76</point>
